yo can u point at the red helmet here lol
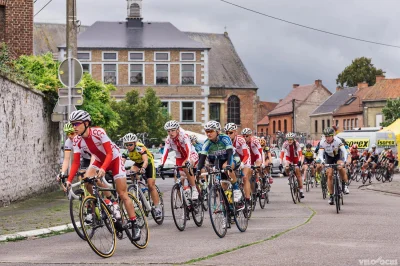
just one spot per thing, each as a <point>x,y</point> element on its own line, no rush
<point>354,146</point>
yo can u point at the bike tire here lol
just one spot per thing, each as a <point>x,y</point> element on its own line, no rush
<point>253,201</point>
<point>357,175</point>
<point>390,177</point>
<point>178,205</point>
<point>384,176</point>
<point>90,229</point>
<point>140,220</point>
<point>240,216</point>
<point>197,212</point>
<point>204,196</point>
<point>263,198</point>
<point>349,177</point>
<point>308,180</point>
<point>161,203</point>
<point>218,210</point>
<point>74,213</point>
<point>292,189</point>
<point>336,197</point>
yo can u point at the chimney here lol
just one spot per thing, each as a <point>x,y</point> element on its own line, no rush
<point>338,88</point>
<point>295,86</point>
<point>134,11</point>
<point>318,82</point>
<point>280,100</point>
<point>379,78</point>
<point>362,85</point>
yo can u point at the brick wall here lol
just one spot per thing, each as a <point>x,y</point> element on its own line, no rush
<point>373,109</point>
<point>280,119</point>
<point>328,121</point>
<point>16,27</point>
<point>29,141</point>
<point>344,119</point>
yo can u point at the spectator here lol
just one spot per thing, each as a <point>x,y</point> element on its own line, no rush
<point>161,150</point>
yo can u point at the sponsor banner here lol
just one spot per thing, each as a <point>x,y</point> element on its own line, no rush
<point>361,143</point>
<point>386,142</point>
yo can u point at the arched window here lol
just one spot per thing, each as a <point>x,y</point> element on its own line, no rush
<point>135,10</point>
<point>234,110</point>
<point>285,125</point>
<point>279,125</point>
<point>273,127</point>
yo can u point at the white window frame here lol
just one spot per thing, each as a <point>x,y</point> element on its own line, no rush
<point>85,60</point>
<point>129,74</point>
<point>194,112</point>
<point>194,56</point>
<point>135,60</point>
<point>169,105</point>
<point>102,72</point>
<point>90,66</point>
<point>169,56</point>
<point>109,52</point>
<point>155,75</point>
<point>180,74</point>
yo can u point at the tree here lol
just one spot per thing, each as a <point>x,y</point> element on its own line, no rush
<point>360,70</point>
<point>391,111</point>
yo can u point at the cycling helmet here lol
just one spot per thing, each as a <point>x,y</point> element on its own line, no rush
<point>290,135</point>
<point>172,124</point>
<point>230,127</point>
<point>386,148</point>
<point>79,115</point>
<point>212,125</point>
<point>246,131</point>
<point>193,138</point>
<point>329,131</point>
<point>308,146</point>
<point>129,138</point>
<point>373,146</point>
<point>262,142</point>
<point>355,146</point>
<point>302,145</point>
<point>68,128</point>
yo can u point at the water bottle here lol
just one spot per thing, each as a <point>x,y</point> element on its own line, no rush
<point>109,204</point>
<point>116,210</point>
<point>228,194</point>
<point>145,192</point>
<point>187,192</point>
<point>258,185</point>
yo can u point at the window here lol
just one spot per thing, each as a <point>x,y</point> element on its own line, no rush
<point>262,132</point>
<point>316,126</point>
<point>337,122</point>
<point>344,124</point>
<point>379,120</point>
<point>110,56</point>
<point>279,125</point>
<point>161,56</point>
<point>110,73</point>
<point>328,123</point>
<point>136,56</point>
<point>356,123</point>
<point>348,124</point>
<point>188,56</point>
<point>234,110</point>
<point>285,125</point>
<point>136,77</point>
<point>273,127</point>
<point>162,74</point>
<point>134,10</point>
<point>352,124</point>
<point>187,74</point>
<point>323,125</point>
<point>187,111</point>
<point>165,108</point>
<point>215,111</point>
<point>86,68</point>
<point>352,99</point>
<point>267,132</point>
<point>2,23</point>
<point>84,56</point>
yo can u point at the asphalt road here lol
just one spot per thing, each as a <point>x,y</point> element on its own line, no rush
<point>366,231</point>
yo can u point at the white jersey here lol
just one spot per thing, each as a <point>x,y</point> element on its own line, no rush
<point>332,149</point>
<point>286,149</point>
<point>68,146</point>
<point>181,145</point>
<point>93,144</point>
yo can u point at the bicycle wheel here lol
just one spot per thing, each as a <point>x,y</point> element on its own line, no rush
<point>384,175</point>
<point>308,180</point>
<point>204,196</point>
<point>161,203</point>
<point>74,212</point>
<point>357,175</point>
<point>240,216</point>
<point>217,210</point>
<point>263,196</point>
<point>390,179</point>
<point>178,207</point>
<point>198,211</point>
<point>365,177</point>
<point>253,201</point>
<point>98,227</point>
<point>292,189</point>
<point>323,186</point>
<point>336,195</point>
<point>349,177</point>
<point>141,222</point>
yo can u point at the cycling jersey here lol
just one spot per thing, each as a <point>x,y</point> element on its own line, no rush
<point>180,144</point>
<point>241,148</point>
<point>309,155</point>
<point>333,151</point>
<point>197,146</point>
<point>292,153</point>
<point>373,155</point>
<point>137,153</point>
<point>68,146</point>
<point>354,153</point>
<point>217,149</point>
<point>256,152</point>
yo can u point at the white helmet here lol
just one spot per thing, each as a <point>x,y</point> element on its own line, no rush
<point>193,138</point>
<point>212,125</point>
<point>130,137</point>
<point>79,115</point>
<point>302,145</point>
<point>290,135</point>
<point>246,131</point>
<point>172,124</point>
<point>230,127</point>
<point>373,145</point>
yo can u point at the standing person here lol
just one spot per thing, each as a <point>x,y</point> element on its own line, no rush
<point>179,142</point>
<point>161,148</point>
<point>196,144</point>
<point>107,157</point>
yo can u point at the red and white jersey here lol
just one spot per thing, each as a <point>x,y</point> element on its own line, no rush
<point>194,157</point>
<point>286,148</point>
<point>68,146</point>
<point>255,148</point>
<point>93,144</point>
<point>241,148</point>
<point>181,145</point>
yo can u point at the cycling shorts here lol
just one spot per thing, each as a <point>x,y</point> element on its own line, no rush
<point>150,170</point>
<point>308,161</point>
<point>295,161</point>
<point>116,167</point>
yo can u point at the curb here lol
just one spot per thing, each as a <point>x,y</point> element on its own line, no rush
<point>384,191</point>
<point>37,232</point>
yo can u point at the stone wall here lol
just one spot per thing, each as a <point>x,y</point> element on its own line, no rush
<point>29,143</point>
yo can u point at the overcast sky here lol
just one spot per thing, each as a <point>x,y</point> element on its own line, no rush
<point>275,53</point>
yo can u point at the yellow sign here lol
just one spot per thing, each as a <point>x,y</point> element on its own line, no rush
<point>386,142</point>
<point>361,143</point>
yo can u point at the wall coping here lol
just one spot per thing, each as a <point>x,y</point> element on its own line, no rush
<point>23,85</point>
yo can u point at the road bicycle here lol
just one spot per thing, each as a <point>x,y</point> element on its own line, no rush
<point>309,181</point>
<point>101,223</point>
<point>294,185</point>
<point>324,186</point>
<point>337,189</point>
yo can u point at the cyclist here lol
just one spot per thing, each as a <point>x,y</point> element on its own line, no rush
<point>292,153</point>
<point>335,153</point>
<point>107,157</point>
<point>241,149</point>
<point>85,162</point>
<point>219,147</point>
<point>371,157</point>
<point>267,156</point>
<point>391,159</point>
<point>355,154</point>
<point>197,145</point>
<point>144,163</point>
<point>307,160</point>
<point>179,142</point>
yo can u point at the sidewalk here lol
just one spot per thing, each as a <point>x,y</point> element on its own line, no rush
<point>392,187</point>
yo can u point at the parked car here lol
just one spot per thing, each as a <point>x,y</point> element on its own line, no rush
<point>275,161</point>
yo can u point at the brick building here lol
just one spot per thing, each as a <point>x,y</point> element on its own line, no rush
<point>16,26</point>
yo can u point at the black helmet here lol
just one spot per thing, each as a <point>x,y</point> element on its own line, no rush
<point>308,146</point>
<point>329,131</point>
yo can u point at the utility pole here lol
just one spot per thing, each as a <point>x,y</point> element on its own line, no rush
<point>72,44</point>
<point>293,122</point>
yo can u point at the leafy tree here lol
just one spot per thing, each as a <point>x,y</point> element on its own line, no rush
<point>391,111</point>
<point>360,70</point>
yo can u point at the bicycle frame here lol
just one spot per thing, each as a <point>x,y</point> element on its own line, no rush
<point>138,192</point>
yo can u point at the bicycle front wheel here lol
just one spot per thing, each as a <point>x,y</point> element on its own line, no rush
<point>74,212</point>
<point>98,227</point>
<point>308,181</point>
<point>141,221</point>
<point>293,189</point>
<point>218,211</point>
<point>161,220</point>
<point>239,210</point>
<point>198,211</point>
<point>178,207</point>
